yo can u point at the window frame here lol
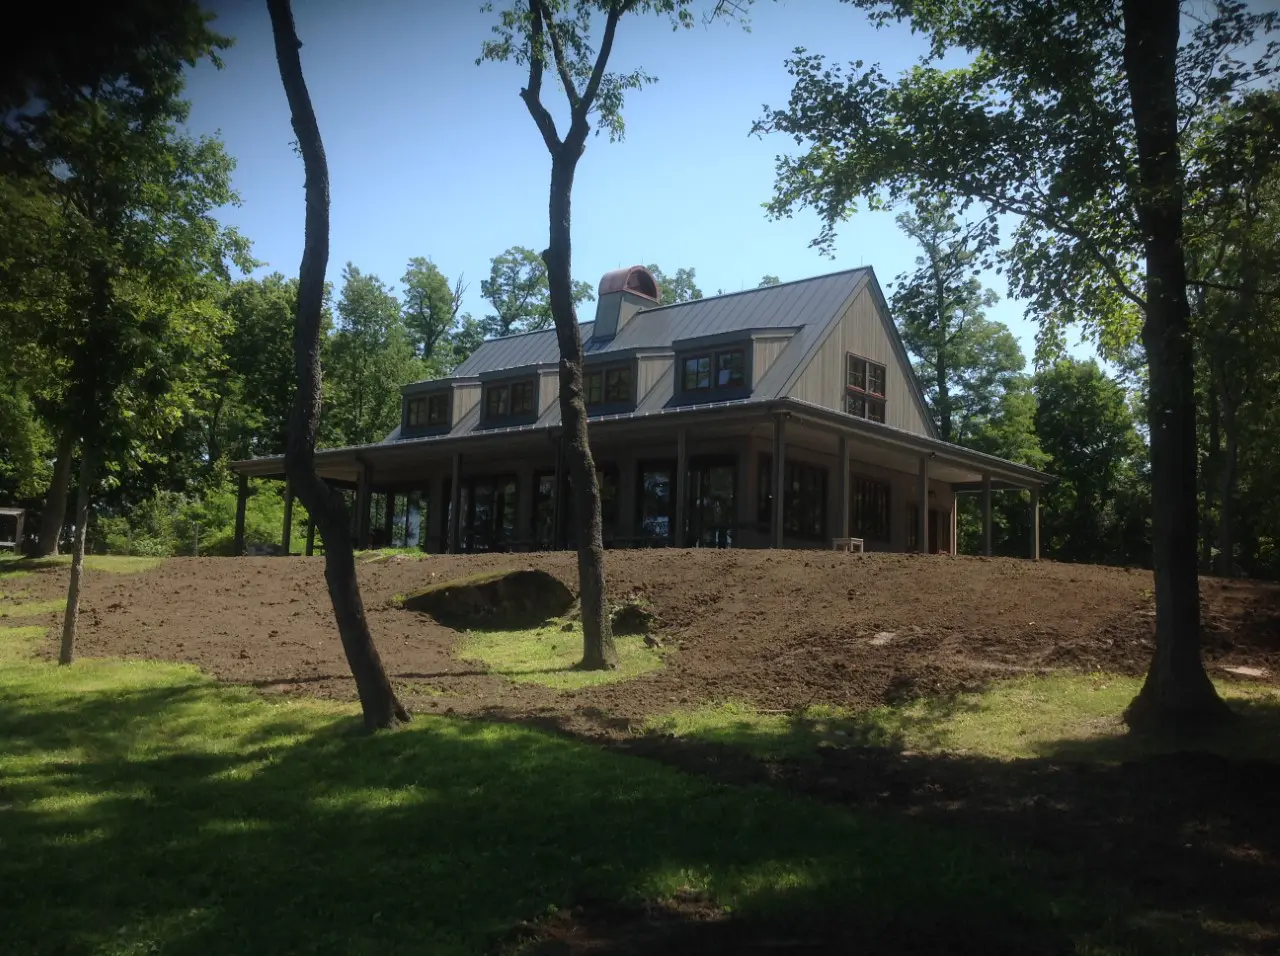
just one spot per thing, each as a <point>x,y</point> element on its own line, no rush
<point>528,398</point>
<point>521,400</point>
<point>438,402</point>
<point>792,525</point>
<point>415,412</point>
<point>863,492</point>
<point>861,400</point>
<point>741,354</point>
<point>684,372</point>
<point>598,379</point>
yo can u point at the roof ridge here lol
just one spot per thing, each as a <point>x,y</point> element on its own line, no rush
<point>759,288</point>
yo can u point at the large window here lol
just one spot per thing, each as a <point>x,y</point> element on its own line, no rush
<point>544,510</point>
<point>607,481</point>
<point>655,504</point>
<point>502,401</point>
<point>864,388</point>
<point>608,386</point>
<point>804,507</point>
<point>725,369</point>
<point>869,509</point>
<point>490,511</point>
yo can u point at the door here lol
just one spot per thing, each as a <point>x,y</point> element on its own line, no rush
<point>712,504</point>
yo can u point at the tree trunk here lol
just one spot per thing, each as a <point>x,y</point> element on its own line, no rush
<point>1214,468</point>
<point>1227,491</point>
<point>55,503</point>
<point>71,616</point>
<point>1177,691</point>
<point>325,505</point>
<point>598,649</point>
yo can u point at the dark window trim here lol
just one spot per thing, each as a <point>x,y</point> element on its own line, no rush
<point>764,502</point>
<point>602,371</point>
<point>856,484</point>
<point>511,415</point>
<point>869,400</point>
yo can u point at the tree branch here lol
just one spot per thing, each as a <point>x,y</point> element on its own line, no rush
<point>1226,287</point>
<point>532,93</point>
<point>578,128</point>
<point>557,53</point>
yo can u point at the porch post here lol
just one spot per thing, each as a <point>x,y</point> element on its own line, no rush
<point>1035,523</point>
<point>455,504</point>
<point>434,531</point>
<point>559,540</point>
<point>842,506</point>
<point>955,524</point>
<point>311,536</point>
<point>986,515</point>
<point>388,517</point>
<point>242,496</point>
<point>286,534</point>
<point>681,490</point>
<point>779,475</point>
<point>923,529</point>
<point>524,502</point>
<point>363,501</point>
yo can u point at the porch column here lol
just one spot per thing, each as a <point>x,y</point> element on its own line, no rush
<point>955,525</point>
<point>286,534</point>
<point>923,529</point>
<point>311,536</point>
<point>986,515</point>
<point>1035,523</point>
<point>455,504</point>
<point>842,506</point>
<point>559,511</point>
<point>435,527</point>
<point>242,496</point>
<point>388,518</point>
<point>681,490</point>
<point>363,500</point>
<point>524,502</point>
<point>779,475</point>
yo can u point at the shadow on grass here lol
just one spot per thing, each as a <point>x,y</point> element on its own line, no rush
<point>170,815</point>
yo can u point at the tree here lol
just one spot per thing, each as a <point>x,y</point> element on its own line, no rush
<point>1067,118</point>
<point>526,32</point>
<point>1086,427</point>
<point>370,357</point>
<point>520,293</point>
<point>680,287</point>
<point>431,310</point>
<point>768,281</point>
<point>377,698</point>
<point>140,255</point>
<point>964,362</point>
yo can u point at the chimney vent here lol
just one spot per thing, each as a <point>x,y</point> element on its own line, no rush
<point>623,293</point>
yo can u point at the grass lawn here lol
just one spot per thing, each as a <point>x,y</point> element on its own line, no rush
<point>1059,716</point>
<point>12,568</point>
<point>146,809</point>
<point>28,608</point>
<point>549,655</point>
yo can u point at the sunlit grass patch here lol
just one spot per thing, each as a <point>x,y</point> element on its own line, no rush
<point>30,608</point>
<point>20,643</point>
<point>1065,715</point>
<point>549,655</point>
<point>11,568</point>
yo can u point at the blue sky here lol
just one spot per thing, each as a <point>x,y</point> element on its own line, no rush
<point>431,155</point>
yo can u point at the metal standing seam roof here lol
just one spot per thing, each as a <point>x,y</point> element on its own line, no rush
<point>806,303</point>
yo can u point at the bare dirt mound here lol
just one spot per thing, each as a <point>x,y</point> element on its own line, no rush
<point>494,599</point>
<point>778,629</point>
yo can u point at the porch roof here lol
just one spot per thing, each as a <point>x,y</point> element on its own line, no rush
<point>966,466</point>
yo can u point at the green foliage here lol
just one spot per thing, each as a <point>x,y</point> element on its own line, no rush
<point>370,355</point>
<point>518,291</point>
<point>679,287</point>
<point>431,314</point>
<point>768,281</point>
<point>1097,510</point>
<point>173,523</point>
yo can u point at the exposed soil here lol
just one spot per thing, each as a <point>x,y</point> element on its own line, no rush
<point>776,629</point>
<point>1191,838</point>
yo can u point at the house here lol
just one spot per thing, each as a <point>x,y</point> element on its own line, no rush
<point>784,416</point>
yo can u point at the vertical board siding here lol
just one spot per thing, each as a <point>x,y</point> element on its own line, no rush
<point>862,332</point>
<point>548,390</point>
<point>650,369</point>
<point>465,398</point>
<point>764,353</point>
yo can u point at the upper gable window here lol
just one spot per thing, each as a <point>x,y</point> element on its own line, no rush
<point>864,388</point>
<point>504,401</point>
<point>610,386</point>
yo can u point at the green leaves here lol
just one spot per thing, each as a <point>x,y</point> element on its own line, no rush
<point>518,291</point>
<point>679,287</point>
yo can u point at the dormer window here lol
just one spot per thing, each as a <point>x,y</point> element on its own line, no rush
<point>731,369</point>
<point>608,386</point>
<point>864,388</point>
<point>429,411</point>
<point>505,401</point>
<point>697,373</point>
